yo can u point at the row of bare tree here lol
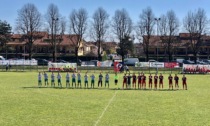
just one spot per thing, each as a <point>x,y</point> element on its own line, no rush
<point>30,20</point>
<point>168,25</point>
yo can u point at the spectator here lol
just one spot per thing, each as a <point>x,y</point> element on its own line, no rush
<point>126,68</point>
<point>7,66</point>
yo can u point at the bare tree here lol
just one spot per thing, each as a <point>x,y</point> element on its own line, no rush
<point>146,27</point>
<point>122,28</point>
<point>62,25</point>
<point>100,26</point>
<point>140,30</point>
<point>61,30</point>
<point>52,17</point>
<point>28,23</point>
<point>169,27</point>
<point>78,26</point>
<point>195,23</point>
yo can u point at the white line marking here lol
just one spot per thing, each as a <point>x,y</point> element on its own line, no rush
<point>102,114</point>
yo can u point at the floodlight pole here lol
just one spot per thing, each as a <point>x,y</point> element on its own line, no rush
<point>157,21</point>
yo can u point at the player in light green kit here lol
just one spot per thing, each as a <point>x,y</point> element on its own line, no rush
<point>79,80</point>
<point>39,79</point>
<point>59,80</point>
<point>107,80</point>
<point>92,80</point>
<point>46,79</point>
<point>52,80</point>
<point>73,79</point>
<point>67,80</point>
<point>86,80</point>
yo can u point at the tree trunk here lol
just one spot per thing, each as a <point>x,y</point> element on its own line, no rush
<point>195,58</point>
<point>147,54</point>
<point>30,51</point>
<point>53,55</point>
<point>76,54</point>
<point>123,57</point>
<point>6,50</point>
<point>147,48</point>
<point>169,57</point>
<point>99,52</point>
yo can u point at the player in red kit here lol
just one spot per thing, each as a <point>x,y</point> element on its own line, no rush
<point>124,81</point>
<point>134,80</point>
<point>139,81</point>
<point>143,78</point>
<point>184,82</point>
<point>176,79</point>
<point>170,80</point>
<point>155,81</point>
<point>150,81</point>
<point>161,81</point>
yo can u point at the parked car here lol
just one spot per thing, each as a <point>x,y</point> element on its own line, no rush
<point>179,60</point>
<point>61,61</point>
<point>206,61</point>
<point>95,62</point>
<point>13,59</point>
<point>201,62</point>
<point>130,61</point>
<point>42,62</point>
<point>2,58</point>
<point>75,61</point>
<point>152,61</point>
<point>188,62</point>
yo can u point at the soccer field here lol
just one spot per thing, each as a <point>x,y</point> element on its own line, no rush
<point>23,103</point>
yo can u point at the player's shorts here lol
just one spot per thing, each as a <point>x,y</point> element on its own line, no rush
<point>161,82</point>
<point>129,82</point>
<point>134,81</point>
<point>53,81</point>
<point>46,80</point>
<point>59,80</point>
<point>73,80</point>
<point>124,81</point>
<point>116,81</point>
<point>184,83</point>
<point>39,81</point>
<point>86,81</point>
<point>155,82</point>
<point>79,81</point>
<point>150,82</point>
<point>67,81</point>
<point>92,81</point>
<point>106,81</point>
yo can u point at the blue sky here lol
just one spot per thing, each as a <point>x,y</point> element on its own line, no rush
<point>8,8</point>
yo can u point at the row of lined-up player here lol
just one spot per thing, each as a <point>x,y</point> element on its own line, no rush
<point>139,80</point>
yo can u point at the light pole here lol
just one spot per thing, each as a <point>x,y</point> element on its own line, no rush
<point>54,38</point>
<point>157,21</point>
<point>130,39</point>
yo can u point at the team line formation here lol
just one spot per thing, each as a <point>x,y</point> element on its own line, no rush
<point>139,80</point>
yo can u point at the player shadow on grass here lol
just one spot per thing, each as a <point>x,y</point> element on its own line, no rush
<point>102,89</point>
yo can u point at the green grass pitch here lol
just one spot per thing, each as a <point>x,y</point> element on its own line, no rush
<point>23,104</point>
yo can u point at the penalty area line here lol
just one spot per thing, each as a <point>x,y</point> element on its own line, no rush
<point>102,114</point>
